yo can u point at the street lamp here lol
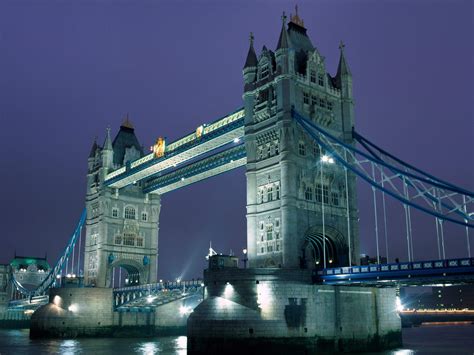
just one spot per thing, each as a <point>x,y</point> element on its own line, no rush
<point>245,258</point>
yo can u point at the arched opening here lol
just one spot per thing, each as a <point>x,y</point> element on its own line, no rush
<point>123,273</point>
<point>317,246</point>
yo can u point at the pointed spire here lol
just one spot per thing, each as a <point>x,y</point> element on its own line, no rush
<point>343,67</point>
<point>108,141</point>
<point>283,41</point>
<point>93,149</point>
<point>251,60</point>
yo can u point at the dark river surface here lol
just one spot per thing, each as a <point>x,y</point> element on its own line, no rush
<point>439,339</point>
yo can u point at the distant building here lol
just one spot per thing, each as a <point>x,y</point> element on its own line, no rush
<point>367,260</point>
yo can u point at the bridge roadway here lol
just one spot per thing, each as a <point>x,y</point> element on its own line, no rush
<point>430,272</point>
<point>207,138</point>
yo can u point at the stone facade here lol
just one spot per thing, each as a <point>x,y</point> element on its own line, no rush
<point>281,311</point>
<point>285,190</point>
<point>121,226</point>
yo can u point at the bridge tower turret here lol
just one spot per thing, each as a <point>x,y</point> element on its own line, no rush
<point>290,186</point>
<point>121,226</point>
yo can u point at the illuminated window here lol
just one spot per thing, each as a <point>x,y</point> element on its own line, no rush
<point>305,98</point>
<point>118,239</point>
<point>308,194</point>
<point>312,76</point>
<point>335,198</point>
<point>270,194</point>
<point>321,80</point>
<point>129,213</point>
<point>144,216</point>
<point>115,212</point>
<point>302,149</point>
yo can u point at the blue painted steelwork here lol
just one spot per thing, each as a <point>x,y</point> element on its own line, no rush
<point>51,278</point>
<point>404,273</point>
<point>198,167</point>
<point>446,193</point>
<point>204,138</point>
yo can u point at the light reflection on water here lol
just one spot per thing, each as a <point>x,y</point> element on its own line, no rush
<point>417,341</point>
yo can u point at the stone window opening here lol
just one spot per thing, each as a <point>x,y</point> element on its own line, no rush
<point>270,194</point>
<point>277,148</point>
<point>260,195</point>
<point>139,242</point>
<point>277,190</point>
<point>128,239</point>
<point>320,79</point>
<point>312,76</point>
<point>269,232</point>
<point>129,213</point>
<point>115,212</point>
<point>118,239</point>
<point>305,98</point>
<point>335,198</point>
<point>308,195</point>
<point>302,149</point>
<point>144,216</point>
<point>265,71</point>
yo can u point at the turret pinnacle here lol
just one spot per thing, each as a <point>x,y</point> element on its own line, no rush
<point>283,41</point>
<point>93,149</point>
<point>251,55</point>
<point>342,68</point>
<point>108,141</point>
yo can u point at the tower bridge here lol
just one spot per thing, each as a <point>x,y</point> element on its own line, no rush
<point>302,154</point>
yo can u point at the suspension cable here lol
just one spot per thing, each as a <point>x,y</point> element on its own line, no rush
<point>440,207</point>
<point>348,213</point>
<point>406,222</point>
<point>467,229</point>
<point>375,217</point>
<point>322,214</point>
<point>384,214</point>
<point>79,253</point>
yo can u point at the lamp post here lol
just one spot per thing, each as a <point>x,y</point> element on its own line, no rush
<point>245,258</point>
<point>325,159</point>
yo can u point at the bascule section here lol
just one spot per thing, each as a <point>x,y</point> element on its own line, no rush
<point>301,207</point>
<point>121,225</point>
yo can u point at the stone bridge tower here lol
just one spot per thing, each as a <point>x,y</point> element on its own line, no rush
<point>121,226</point>
<point>286,194</point>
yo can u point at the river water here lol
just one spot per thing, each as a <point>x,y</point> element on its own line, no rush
<point>458,339</point>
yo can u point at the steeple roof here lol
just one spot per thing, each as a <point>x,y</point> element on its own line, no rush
<point>124,139</point>
<point>93,149</point>
<point>283,41</point>
<point>251,60</point>
<point>108,141</point>
<point>343,67</point>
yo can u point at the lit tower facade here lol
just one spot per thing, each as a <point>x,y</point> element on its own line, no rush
<point>292,184</point>
<point>121,227</point>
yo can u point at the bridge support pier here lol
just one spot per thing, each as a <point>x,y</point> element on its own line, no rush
<point>281,311</point>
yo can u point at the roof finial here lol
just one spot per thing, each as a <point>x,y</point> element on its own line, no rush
<point>296,18</point>
<point>283,18</point>
<point>251,38</point>
<point>341,45</point>
<point>126,123</point>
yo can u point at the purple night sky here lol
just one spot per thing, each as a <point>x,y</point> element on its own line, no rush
<point>70,69</point>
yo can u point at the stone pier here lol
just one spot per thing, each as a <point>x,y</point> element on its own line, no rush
<point>89,312</point>
<point>281,311</point>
